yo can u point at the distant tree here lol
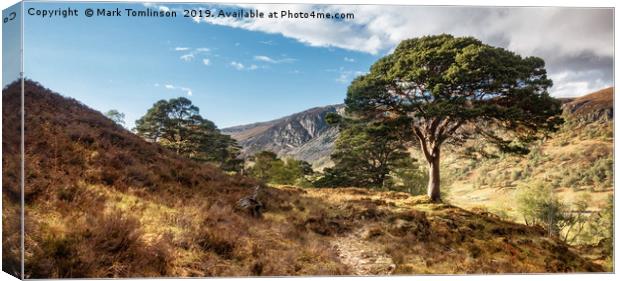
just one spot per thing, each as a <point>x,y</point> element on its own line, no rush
<point>365,153</point>
<point>452,89</point>
<point>214,147</point>
<point>116,116</point>
<point>269,168</point>
<point>263,164</point>
<point>305,167</point>
<point>292,172</point>
<point>177,124</point>
<point>539,206</point>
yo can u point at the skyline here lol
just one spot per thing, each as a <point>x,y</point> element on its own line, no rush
<point>240,71</point>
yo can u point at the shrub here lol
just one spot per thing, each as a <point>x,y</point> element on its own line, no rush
<point>539,206</point>
<point>268,167</point>
<point>602,227</point>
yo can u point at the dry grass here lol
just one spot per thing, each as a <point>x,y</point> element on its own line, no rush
<point>101,202</point>
<point>422,237</point>
<point>576,161</point>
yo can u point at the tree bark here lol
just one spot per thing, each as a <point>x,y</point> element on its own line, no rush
<point>433,179</point>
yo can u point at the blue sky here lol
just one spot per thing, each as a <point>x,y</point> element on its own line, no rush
<point>244,71</point>
<point>235,76</point>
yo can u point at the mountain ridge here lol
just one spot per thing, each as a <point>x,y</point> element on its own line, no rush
<point>276,135</point>
<point>304,135</point>
<point>591,107</point>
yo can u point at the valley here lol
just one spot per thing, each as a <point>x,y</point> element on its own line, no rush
<point>110,204</point>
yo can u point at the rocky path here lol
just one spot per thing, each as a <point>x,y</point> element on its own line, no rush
<point>363,256</point>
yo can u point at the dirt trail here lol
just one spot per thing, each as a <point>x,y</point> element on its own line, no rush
<point>365,257</point>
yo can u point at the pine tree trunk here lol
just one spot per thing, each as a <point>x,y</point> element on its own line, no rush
<point>433,179</point>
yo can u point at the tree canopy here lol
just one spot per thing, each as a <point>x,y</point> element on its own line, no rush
<point>269,168</point>
<point>116,116</point>
<point>451,89</point>
<point>365,153</point>
<point>178,125</point>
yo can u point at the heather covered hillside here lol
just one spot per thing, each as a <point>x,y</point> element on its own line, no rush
<point>103,202</point>
<point>576,161</point>
<point>575,164</point>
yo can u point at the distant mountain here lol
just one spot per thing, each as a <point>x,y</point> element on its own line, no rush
<point>303,136</point>
<point>591,107</point>
<point>306,136</point>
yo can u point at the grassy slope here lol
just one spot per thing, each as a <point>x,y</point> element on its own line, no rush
<point>494,183</point>
<point>577,161</point>
<point>100,202</point>
<point>568,160</point>
<point>421,237</point>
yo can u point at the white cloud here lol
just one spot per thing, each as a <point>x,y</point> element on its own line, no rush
<point>160,7</point>
<point>206,61</point>
<point>187,90</point>
<point>379,28</point>
<point>187,57</point>
<point>192,54</point>
<point>345,76</point>
<point>556,34</point>
<point>347,59</point>
<point>264,58</point>
<point>241,66</point>
<point>273,61</point>
<point>237,65</point>
<point>571,84</point>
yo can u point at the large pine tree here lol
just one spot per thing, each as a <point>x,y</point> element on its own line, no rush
<point>456,88</point>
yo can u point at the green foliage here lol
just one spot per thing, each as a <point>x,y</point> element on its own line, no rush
<point>597,175</point>
<point>333,118</point>
<point>269,168</point>
<point>263,162</point>
<point>602,227</point>
<point>539,206</point>
<point>177,124</point>
<point>588,167</point>
<point>602,172</point>
<point>452,89</point>
<point>366,153</point>
<point>407,176</point>
<point>116,116</point>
